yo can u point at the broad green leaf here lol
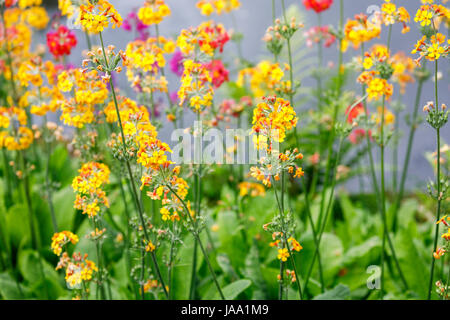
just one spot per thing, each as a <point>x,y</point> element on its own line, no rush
<point>232,290</point>
<point>340,292</point>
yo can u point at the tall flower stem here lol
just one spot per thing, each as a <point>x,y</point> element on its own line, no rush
<point>412,131</point>
<point>48,184</point>
<point>196,235</point>
<point>291,72</point>
<point>286,243</point>
<point>98,247</point>
<point>438,183</point>
<point>322,227</point>
<point>331,136</point>
<point>314,232</point>
<point>130,173</point>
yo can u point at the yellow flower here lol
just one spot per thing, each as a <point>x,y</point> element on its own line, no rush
<point>283,254</point>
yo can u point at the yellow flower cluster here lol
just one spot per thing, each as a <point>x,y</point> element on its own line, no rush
<point>283,253</point>
<point>127,107</point>
<point>206,39</point>
<point>87,89</point>
<point>96,16</point>
<point>360,30</point>
<point>81,269</point>
<point>207,7</point>
<point>273,117</point>
<point>87,185</point>
<point>391,14</point>
<point>403,70</point>
<point>432,48</point>
<point>196,86</point>
<point>16,136</point>
<point>60,239</point>
<point>251,188</point>
<point>389,117</point>
<point>264,79</point>
<point>42,98</point>
<point>146,58</point>
<point>153,12</point>
<point>379,69</point>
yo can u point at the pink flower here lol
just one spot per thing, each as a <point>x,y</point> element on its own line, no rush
<point>317,5</point>
<point>176,63</point>
<point>131,22</point>
<point>317,34</point>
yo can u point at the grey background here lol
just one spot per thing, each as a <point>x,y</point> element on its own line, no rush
<point>252,20</point>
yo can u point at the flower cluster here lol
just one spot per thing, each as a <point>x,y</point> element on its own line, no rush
<point>320,35</point>
<point>16,136</point>
<point>317,5</point>
<point>96,15</point>
<point>61,41</point>
<point>88,186</point>
<point>252,189</point>
<point>281,30</point>
<point>60,239</point>
<point>432,48</point>
<point>272,118</point>
<point>207,7</point>
<point>265,79</point>
<point>379,70</point>
<point>153,12</point>
<point>146,58</point>
<point>360,30</point>
<point>390,14</point>
<point>87,90</point>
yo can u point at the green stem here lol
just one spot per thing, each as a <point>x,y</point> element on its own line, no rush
<point>322,228</point>
<point>291,71</point>
<point>316,241</point>
<point>438,183</point>
<point>197,237</point>
<point>130,174</point>
<point>412,132</point>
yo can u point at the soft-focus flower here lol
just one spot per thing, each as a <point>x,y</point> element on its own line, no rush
<point>207,7</point>
<point>153,12</point>
<point>61,41</point>
<point>317,5</point>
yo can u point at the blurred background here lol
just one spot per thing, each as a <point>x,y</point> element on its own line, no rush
<point>253,19</point>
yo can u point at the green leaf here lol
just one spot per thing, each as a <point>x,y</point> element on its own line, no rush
<point>340,292</point>
<point>9,289</point>
<point>253,272</point>
<point>64,210</point>
<point>234,289</point>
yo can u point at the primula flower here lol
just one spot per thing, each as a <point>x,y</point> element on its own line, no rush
<point>61,41</point>
<point>317,5</point>
<point>153,12</point>
<point>219,73</point>
<point>60,239</point>
<point>207,7</point>
<point>360,30</point>
<point>95,16</point>
<point>319,34</point>
<point>176,63</point>
<point>132,23</point>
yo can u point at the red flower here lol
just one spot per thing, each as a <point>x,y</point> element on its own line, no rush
<point>218,72</point>
<point>61,41</point>
<point>10,3</point>
<point>317,5</point>
<point>353,113</point>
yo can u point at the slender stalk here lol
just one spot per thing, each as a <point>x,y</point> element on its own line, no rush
<point>285,243</point>
<point>130,173</point>
<point>438,184</point>
<point>322,228</point>
<point>197,237</point>
<point>98,247</point>
<point>383,197</point>
<point>48,184</point>
<point>291,71</point>
<point>316,241</point>
<point>412,132</point>
<point>320,65</point>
